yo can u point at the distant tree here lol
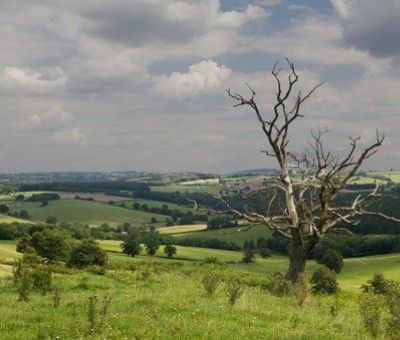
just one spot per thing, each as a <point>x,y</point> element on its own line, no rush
<point>4,209</point>
<point>249,251</point>
<point>153,220</point>
<point>262,247</point>
<point>86,253</point>
<point>331,259</point>
<point>151,241</point>
<point>170,249</point>
<point>44,204</point>
<point>136,206</point>
<point>51,220</point>
<point>24,214</point>
<point>19,197</point>
<point>7,231</point>
<point>145,207</point>
<point>53,244</point>
<point>131,243</point>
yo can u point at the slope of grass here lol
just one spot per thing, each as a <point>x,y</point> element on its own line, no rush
<point>86,212</point>
<point>11,219</point>
<point>235,235</point>
<point>181,229</point>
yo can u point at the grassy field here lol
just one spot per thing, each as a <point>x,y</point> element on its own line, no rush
<point>182,229</point>
<point>85,212</point>
<point>208,188</point>
<point>11,219</point>
<point>160,298</point>
<point>235,235</point>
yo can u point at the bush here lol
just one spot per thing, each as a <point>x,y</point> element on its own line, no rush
<point>7,231</point>
<point>24,242</point>
<point>249,251</point>
<point>51,220</point>
<point>234,290</point>
<point>277,285</point>
<point>393,305</point>
<point>24,214</point>
<point>300,290</point>
<point>4,209</point>
<point>324,281</point>
<point>331,259</point>
<point>371,312</point>
<point>210,282</point>
<point>87,253</point>
<point>377,285</point>
<point>53,244</point>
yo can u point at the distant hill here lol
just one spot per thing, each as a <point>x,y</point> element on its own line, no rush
<point>254,172</point>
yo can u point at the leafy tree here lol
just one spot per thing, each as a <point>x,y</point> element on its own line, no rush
<point>131,243</point>
<point>51,220</point>
<point>53,244</point>
<point>7,231</point>
<point>136,206</point>
<point>24,214</point>
<point>153,220</point>
<point>4,209</point>
<point>151,241</point>
<point>262,247</point>
<point>331,259</point>
<point>86,253</point>
<point>19,197</point>
<point>170,249</point>
<point>249,251</point>
<point>23,243</point>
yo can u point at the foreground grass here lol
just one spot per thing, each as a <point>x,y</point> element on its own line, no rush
<point>168,302</point>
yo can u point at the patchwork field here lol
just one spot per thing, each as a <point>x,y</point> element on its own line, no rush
<point>85,212</point>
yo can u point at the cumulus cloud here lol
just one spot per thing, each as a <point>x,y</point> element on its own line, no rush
<point>202,77</point>
<point>44,81</point>
<point>371,25</point>
<point>52,118</point>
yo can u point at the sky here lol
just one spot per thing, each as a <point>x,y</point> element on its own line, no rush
<point>101,85</point>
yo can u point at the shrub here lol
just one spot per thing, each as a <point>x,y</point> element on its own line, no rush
<point>276,285</point>
<point>7,231</point>
<point>24,214</point>
<point>331,259</point>
<point>210,282</point>
<point>377,285</point>
<point>393,305</point>
<point>53,244</point>
<point>51,220</point>
<point>324,281</point>
<point>300,290</point>
<point>86,253</point>
<point>4,209</point>
<point>212,260</point>
<point>24,242</point>
<point>249,251</point>
<point>371,313</point>
<point>234,290</point>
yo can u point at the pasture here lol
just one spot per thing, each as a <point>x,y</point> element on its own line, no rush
<point>85,212</point>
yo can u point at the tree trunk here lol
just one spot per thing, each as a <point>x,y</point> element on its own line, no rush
<point>298,255</point>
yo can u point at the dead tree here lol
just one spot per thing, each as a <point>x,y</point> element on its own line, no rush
<point>309,182</point>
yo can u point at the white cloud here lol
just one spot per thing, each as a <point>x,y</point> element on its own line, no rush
<point>45,81</point>
<point>52,118</point>
<point>202,77</point>
<point>68,136</point>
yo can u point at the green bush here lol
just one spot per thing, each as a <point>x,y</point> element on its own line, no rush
<point>371,308</point>
<point>87,253</point>
<point>377,285</point>
<point>324,281</point>
<point>52,244</point>
<point>234,290</point>
<point>249,251</point>
<point>277,285</point>
<point>210,282</point>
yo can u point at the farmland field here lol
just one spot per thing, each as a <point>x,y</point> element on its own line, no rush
<point>236,235</point>
<point>85,212</point>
